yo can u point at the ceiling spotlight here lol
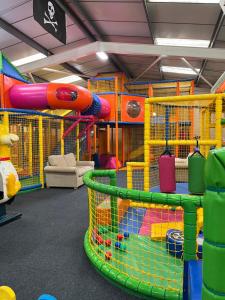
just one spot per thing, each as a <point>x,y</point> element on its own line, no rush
<point>102,55</point>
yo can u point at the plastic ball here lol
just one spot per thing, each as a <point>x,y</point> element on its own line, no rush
<point>46,297</point>
<point>108,255</point>
<point>117,245</point>
<point>108,242</point>
<point>7,293</point>
<point>123,247</point>
<point>126,235</point>
<point>99,240</point>
<point>119,237</point>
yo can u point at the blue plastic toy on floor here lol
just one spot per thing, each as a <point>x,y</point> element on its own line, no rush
<point>46,297</point>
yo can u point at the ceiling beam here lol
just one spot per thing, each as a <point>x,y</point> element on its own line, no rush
<point>145,4</point>
<point>61,57</point>
<point>37,79</point>
<point>98,36</point>
<point>124,48</point>
<point>156,50</point>
<point>33,44</point>
<point>214,36</point>
<point>196,71</point>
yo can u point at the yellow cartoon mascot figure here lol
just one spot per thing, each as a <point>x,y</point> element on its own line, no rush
<point>9,181</point>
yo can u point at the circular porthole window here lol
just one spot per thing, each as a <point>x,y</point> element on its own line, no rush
<point>133,108</point>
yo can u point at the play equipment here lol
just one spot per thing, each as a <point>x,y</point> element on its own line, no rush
<point>6,293</point>
<point>104,210</point>
<point>9,181</point>
<point>175,242</point>
<point>196,168</point>
<point>214,243</point>
<point>159,230</point>
<point>173,121</point>
<point>57,96</point>
<point>167,179</point>
<point>141,263</point>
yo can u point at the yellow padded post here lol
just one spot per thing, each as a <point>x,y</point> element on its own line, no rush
<point>30,141</point>
<point>129,177</point>
<point>219,103</point>
<point>61,134</point>
<point>207,130</point>
<point>182,142</point>
<point>146,147</point>
<point>41,150</point>
<point>202,133</point>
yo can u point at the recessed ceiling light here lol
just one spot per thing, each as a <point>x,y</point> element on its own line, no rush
<point>186,1</point>
<point>102,55</point>
<point>178,70</point>
<point>67,79</point>
<point>28,59</point>
<point>182,42</point>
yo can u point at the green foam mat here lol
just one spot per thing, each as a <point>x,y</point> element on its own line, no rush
<point>144,260</point>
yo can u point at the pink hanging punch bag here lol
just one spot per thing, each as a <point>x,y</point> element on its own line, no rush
<point>167,177</point>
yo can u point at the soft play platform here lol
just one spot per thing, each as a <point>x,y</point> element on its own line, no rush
<point>142,220</point>
<point>181,188</point>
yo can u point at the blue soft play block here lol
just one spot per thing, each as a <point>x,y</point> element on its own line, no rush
<point>195,280</point>
<point>132,220</point>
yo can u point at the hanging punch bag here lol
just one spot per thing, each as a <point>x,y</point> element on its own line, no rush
<point>196,167</point>
<point>167,179</point>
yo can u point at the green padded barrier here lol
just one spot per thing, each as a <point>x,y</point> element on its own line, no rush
<point>214,226</point>
<point>138,286</point>
<point>141,196</point>
<point>196,167</point>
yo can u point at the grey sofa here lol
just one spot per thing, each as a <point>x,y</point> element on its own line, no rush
<point>65,171</point>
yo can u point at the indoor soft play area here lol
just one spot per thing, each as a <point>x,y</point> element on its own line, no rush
<point>112,150</point>
<point>146,237</point>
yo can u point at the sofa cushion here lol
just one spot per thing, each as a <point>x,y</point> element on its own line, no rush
<point>82,170</point>
<point>181,162</point>
<point>70,160</point>
<point>57,160</point>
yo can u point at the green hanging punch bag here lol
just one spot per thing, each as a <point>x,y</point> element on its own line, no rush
<point>196,166</point>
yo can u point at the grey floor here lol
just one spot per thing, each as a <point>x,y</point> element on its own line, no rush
<point>43,251</point>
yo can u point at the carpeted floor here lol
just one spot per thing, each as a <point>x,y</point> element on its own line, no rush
<point>43,251</point>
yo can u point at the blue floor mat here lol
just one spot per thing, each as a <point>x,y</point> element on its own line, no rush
<point>132,220</point>
<point>181,188</point>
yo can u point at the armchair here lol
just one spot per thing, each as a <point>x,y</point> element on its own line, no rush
<point>65,171</point>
